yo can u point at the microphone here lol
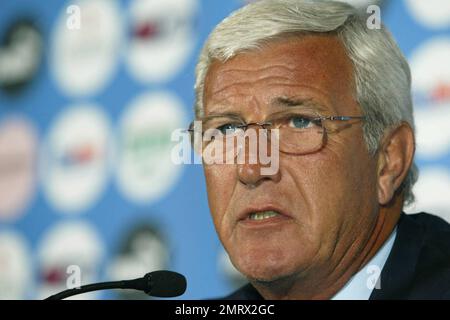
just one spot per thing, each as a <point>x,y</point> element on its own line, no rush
<point>162,283</point>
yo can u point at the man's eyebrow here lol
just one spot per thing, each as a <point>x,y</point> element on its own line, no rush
<point>212,115</point>
<point>297,102</point>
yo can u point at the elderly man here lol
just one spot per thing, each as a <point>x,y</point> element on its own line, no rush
<point>328,222</point>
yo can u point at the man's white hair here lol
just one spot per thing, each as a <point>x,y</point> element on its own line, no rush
<point>381,72</point>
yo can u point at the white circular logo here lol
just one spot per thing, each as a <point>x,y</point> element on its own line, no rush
<point>76,158</point>
<point>433,132</point>
<point>162,36</point>
<point>21,51</point>
<point>145,168</point>
<point>431,71</point>
<point>142,250</point>
<point>432,13</point>
<point>15,267</point>
<point>68,244</point>
<point>18,147</point>
<point>431,91</point>
<point>431,192</point>
<point>86,45</point>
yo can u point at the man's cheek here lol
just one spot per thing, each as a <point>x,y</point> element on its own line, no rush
<point>323,180</point>
<point>219,184</point>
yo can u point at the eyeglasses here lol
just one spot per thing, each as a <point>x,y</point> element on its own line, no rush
<point>299,131</point>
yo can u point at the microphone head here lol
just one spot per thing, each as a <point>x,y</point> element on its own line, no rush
<point>165,284</point>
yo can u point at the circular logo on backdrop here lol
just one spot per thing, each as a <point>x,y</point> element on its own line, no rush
<point>145,169</point>
<point>15,267</point>
<point>431,192</point>
<point>431,91</point>
<point>18,147</point>
<point>144,249</point>
<point>20,55</point>
<point>65,245</point>
<point>433,132</point>
<point>85,46</point>
<point>433,14</point>
<point>75,159</point>
<point>161,37</point>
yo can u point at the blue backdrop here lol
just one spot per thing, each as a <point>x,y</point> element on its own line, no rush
<point>89,94</point>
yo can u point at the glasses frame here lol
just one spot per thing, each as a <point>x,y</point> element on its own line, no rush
<point>266,125</point>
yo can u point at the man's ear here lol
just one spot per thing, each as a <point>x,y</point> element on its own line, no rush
<point>395,156</point>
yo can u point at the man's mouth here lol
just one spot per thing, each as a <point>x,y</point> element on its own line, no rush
<point>262,215</point>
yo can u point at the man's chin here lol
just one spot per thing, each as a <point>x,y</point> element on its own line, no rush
<point>266,279</point>
<point>265,274</point>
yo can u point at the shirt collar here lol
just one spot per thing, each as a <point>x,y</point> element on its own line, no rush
<point>361,285</point>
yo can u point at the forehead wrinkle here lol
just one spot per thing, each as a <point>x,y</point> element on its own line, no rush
<point>296,63</point>
<point>225,103</point>
<point>224,78</point>
<point>226,69</point>
<point>245,104</point>
<point>250,83</point>
<point>283,101</point>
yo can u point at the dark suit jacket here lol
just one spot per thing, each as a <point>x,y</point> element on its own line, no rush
<point>418,266</point>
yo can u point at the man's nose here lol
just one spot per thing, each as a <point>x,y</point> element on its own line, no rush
<point>250,171</point>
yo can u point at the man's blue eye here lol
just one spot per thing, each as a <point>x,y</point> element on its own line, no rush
<point>228,128</point>
<point>300,122</point>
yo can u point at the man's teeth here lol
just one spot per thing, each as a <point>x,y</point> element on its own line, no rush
<point>263,215</point>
